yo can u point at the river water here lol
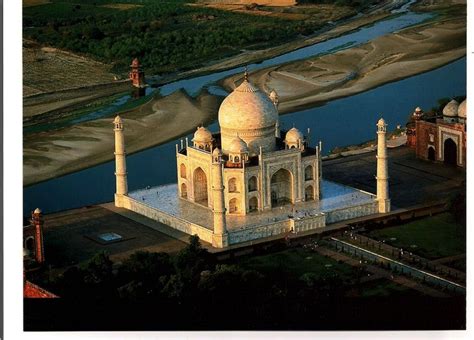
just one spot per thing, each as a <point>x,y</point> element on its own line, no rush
<point>341,122</point>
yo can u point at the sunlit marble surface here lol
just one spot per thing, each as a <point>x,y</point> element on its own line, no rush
<point>334,196</point>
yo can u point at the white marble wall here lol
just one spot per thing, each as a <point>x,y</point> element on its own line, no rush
<point>351,212</point>
<point>172,221</point>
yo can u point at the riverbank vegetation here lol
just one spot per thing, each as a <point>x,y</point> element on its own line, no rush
<point>166,36</point>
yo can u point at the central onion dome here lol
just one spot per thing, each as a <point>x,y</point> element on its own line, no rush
<point>250,114</point>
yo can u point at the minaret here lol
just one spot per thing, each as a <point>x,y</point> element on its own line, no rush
<point>274,98</point>
<point>120,165</point>
<point>37,220</point>
<point>382,168</point>
<point>220,236</point>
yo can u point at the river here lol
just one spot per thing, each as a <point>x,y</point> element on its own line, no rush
<point>340,122</point>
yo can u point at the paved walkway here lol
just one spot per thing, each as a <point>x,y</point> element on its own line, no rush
<point>449,259</point>
<point>378,272</point>
<point>407,257</point>
<point>412,181</point>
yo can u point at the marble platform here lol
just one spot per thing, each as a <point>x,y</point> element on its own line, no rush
<point>335,197</point>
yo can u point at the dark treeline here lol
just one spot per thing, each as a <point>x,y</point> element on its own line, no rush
<point>190,291</point>
<point>192,272</point>
<point>352,3</point>
<point>167,36</point>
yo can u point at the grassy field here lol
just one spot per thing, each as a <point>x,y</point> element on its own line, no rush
<point>48,69</point>
<point>434,237</point>
<point>384,288</point>
<point>293,263</point>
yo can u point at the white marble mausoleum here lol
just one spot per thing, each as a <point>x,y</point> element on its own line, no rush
<point>250,180</point>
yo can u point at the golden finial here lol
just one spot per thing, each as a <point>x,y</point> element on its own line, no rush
<point>246,74</point>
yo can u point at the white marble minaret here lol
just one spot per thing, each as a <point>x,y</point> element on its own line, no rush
<point>382,168</point>
<point>220,236</point>
<point>274,98</point>
<point>120,164</point>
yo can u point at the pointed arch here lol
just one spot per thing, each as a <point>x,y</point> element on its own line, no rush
<point>252,184</point>
<point>233,185</point>
<point>184,190</point>
<point>200,187</point>
<point>282,187</point>
<point>308,173</point>
<point>309,193</point>
<point>253,204</point>
<point>233,206</point>
<point>182,170</point>
<point>450,152</point>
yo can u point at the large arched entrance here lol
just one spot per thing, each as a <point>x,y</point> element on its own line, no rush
<point>431,153</point>
<point>200,187</point>
<point>450,152</point>
<point>282,188</point>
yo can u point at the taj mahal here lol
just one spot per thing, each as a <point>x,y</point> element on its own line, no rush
<point>251,180</point>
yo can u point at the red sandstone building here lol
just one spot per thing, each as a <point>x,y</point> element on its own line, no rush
<point>32,291</point>
<point>440,138</point>
<point>33,250</point>
<point>137,75</point>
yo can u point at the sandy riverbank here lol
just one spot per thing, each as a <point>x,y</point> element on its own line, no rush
<point>386,59</point>
<point>55,153</point>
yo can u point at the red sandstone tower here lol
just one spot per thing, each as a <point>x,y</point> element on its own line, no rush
<point>37,221</point>
<point>137,75</point>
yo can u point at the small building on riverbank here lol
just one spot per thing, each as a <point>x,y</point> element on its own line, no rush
<point>440,138</point>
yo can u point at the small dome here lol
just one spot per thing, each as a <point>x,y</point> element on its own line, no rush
<point>135,63</point>
<point>202,135</point>
<point>381,122</point>
<point>293,136</point>
<point>238,146</point>
<point>462,109</point>
<point>217,152</point>
<point>118,120</point>
<point>418,109</point>
<point>273,96</point>
<point>451,109</point>
<point>37,211</point>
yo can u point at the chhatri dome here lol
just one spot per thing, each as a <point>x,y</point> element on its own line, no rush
<point>451,109</point>
<point>202,135</point>
<point>250,114</point>
<point>238,146</point>
<point>462,109</point>
<point>293,135</point>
